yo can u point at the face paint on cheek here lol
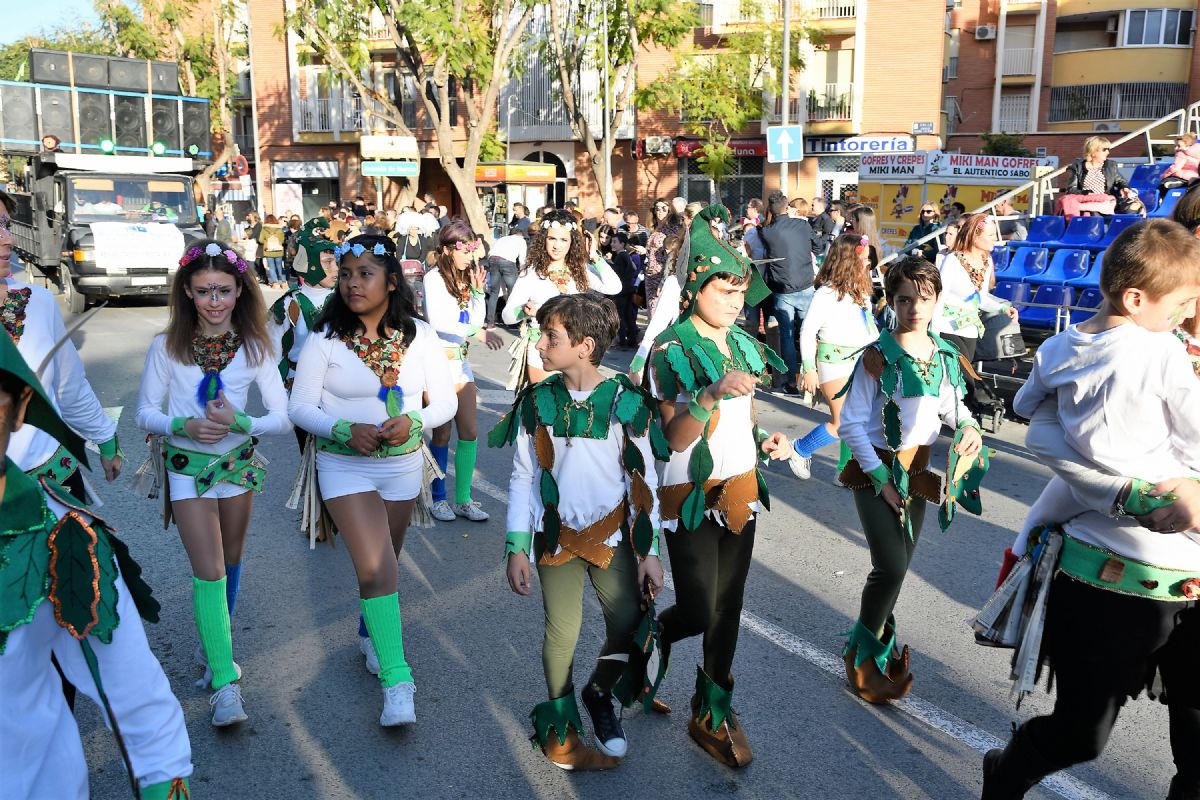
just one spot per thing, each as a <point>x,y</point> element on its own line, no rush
<point>1180,314</point>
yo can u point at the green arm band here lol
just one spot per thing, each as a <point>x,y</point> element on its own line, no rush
<point>654,543</point>
<point>968,422</point>
<point>1140,502</point>
<point>473,330</point>
<point>477,292</point>
<point>807,366</point>
<point>414,431</point>
<point>341,431</point>
<point>111,449</point>
<point>241,423</point>
<point>518,542</point>
<point>697,410</point>
<point>177,426</point>
<point>637,364</point>
<point>880,476</point>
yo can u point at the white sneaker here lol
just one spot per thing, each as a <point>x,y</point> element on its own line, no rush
<point>472,511</point>
<point>801,466</point>
<point>442,512</point>
<point>367,648</point>
<point>227,706</point>
<point>398,705</point>
<point>201,658</point>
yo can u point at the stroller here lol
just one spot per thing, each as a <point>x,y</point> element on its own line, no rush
<point>1001,342</point>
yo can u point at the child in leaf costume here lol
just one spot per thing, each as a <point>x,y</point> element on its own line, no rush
<point>903,389</point>
<point>703,372</point>
<point>582,502</point>
<point>70,588</point>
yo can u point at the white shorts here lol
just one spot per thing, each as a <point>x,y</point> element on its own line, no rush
<point>827,372</point>
<point>394,478</point>
<point>460,372</point>
<point>183,487</point>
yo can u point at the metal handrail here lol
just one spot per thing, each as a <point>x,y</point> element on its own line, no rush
<point>1187,116</point>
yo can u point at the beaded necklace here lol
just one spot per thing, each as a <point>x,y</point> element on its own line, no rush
<point>383,357</point>
<point>12,312</point>
<point>977,274</point>
<point>212,354</point>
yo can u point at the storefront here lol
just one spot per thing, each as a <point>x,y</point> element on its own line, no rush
<point>304,187</point>
<point>737,188</point>
<point>838,159</point>
<point>503,183</point>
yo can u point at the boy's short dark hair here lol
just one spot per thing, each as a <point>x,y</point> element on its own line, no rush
<point>1156,256</point>
<point>583,315</point>
<point>920,271</point>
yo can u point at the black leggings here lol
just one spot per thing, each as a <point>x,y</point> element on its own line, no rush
<point>1104,647</point>
<point>979,396</point>
<point>709,565</point>
<point>891,553</point>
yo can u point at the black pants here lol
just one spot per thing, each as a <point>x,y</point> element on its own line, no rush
<point>709,565</point>
<point>1104,647</point>
<point>979,397</point>
<point>891,554</point>
<point>501,272</point>
<point>627,315</point>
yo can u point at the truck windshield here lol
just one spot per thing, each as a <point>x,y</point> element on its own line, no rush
<point>150,198</point>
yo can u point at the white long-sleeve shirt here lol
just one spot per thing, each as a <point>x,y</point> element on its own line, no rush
<point>317,295</point>
<point>164,378</point>
<point>590,479</point>
<point>444,313</point>
<point>921,417</point>
<point>958,290</point>
<point>64,380</point>
<point>333,383</point>
<point>838,321</point>
<point>529,286</point>
<point>665,314</point>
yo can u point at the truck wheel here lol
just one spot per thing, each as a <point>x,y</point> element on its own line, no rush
<point>76,300</point>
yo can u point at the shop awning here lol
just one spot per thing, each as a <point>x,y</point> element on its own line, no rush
<point>515,172</point>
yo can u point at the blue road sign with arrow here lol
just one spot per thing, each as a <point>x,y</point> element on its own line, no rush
<point>785,143</point>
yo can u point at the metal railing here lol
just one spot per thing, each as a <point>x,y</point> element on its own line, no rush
<point>1018,60</point>
<point>1186,118</point>
<point>704,12</point>
<point>796,109</point>
<point>772,10</point>
<point>1014,114</point>
<point>1102,101</point>
<point>317,114</point>
<point>830,9</point>
<point>837,103</point>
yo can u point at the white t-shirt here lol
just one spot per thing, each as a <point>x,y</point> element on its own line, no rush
<point>959,290</point>
<point>838,321</point>
<point>510,248</point>
<point>445,315</point>
<point>529,286</point>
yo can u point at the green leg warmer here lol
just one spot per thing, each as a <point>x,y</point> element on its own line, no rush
<point>176,789</point>
<point>382,615</point>
<point>867,645</point>
<point>211,609</point>
<point>464,470</point>
<point>556,715</point>
<point>844,456</point>
<point>712,697</point>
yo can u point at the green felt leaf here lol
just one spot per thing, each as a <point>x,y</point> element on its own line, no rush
<point>764,496</point>
<point>668,381</point>
<point>277,311</point>
<point>143,597</point>
<point>892,432</point>
<point>641,420</point>
<point>681,366</point>
<point>24,571</point>
<point>528,416</point>
<point>549,488</point>
<point>700,466</point>
<point>628,405</point>
<point>700,355</point>
<point>551,527</point>
<point>643,534</point>
<point>544,398</point>
<point>900,478</point>
<point>504,432</point>
<point>285,346</point>
<point>751,351</point>
<point>691,514</point>
<point>633,458</point>
<point>945,514</point>
<point>658,443</point>
<point>74,564</point>
<point>602,400</point>
<point>107,618</point>
<point>887,379</point>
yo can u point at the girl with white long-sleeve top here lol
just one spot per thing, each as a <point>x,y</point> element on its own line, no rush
<point>454,306</point>
<point>838,325</point>
<point>559,262</point>
<point>215,346</point>
<point>361,387</point>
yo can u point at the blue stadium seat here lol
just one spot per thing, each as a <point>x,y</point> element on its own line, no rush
<point>1081,231</point>
<point>1146,176</point>
<point>1089,299</point>
<point>1000,257</point>
<point>1066,265</point>
<point>1091,278</point>
<point>1024,262</point>
<point>1045,228</point>
<point>1115,226</point>
<point>1054,296</point>
<point>1168,203</point>
<point>1014,292</point>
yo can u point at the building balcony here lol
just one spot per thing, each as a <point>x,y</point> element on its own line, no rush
<point>1014,114</point>
<point>1115,101</point>
<point>1068,8</point>
<point>1118,64</point>
<point>327,114</point>
<point>836,102</point>
<point>1018,61</point>
<point>831,16</point>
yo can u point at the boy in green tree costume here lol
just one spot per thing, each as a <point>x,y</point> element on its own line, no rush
<point>703,372</point>
<point>70,588</point>
<point>582,503</point>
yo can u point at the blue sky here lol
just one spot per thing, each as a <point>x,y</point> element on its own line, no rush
<point>27,18</point>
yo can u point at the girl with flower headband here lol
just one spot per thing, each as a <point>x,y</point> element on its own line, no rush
<point>454,306</point>
<point>559,262</point>
<point>214,347</point>
<point>967,280</point>
<point>838,325</point>
<point>360,389</point>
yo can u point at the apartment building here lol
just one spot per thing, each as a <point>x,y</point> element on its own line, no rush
<point>866,87</point>
<point>1058,71</point>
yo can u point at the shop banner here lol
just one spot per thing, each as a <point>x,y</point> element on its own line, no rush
<point>961,168</point>
<point>892,166</point>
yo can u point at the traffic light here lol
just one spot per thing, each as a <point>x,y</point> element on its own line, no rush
<point>107,146</point>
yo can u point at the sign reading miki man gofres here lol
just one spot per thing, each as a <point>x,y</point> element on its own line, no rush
<point>950,167</point>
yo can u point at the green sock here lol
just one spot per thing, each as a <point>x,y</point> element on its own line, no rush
<point>464,470</point>
<point>211,610</point>
<point>382,615</point>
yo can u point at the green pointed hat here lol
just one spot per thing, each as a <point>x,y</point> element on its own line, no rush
<point>309,246</point>
<point>709,257</point>
<point>41,412</point>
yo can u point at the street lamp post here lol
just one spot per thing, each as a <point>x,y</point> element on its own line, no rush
<point>785,87</point>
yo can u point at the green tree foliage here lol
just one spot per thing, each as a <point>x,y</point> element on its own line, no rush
<point>1003,144</point>
<point>719,91</point>
<point>455,49</point>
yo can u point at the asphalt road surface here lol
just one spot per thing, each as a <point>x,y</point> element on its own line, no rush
<point>474,646</point>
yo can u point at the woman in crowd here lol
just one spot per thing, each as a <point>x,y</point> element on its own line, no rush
<point>1094,183</point>
<point>931,221</point>
<point>270,238</point>
<point>667,224</point>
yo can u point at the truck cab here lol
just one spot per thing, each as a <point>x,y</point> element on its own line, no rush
<point>104,226</point>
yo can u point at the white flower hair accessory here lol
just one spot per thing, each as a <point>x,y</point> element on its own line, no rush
<point>212,249</point>
<point>548,224</point>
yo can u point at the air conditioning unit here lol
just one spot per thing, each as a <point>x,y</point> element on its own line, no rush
<point>984,33</point>
<point>659,145</point>
<point>1106,127</point>
<point>1111,26</point>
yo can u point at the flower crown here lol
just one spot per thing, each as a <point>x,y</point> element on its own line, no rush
<point>212,250</point>
<point>358,249</point>
<point>548,224</point>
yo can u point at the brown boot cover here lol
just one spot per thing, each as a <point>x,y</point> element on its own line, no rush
<point>726,742</point>
<point>567,752</point>
<point>574,755</point>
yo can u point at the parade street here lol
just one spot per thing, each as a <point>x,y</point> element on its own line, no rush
<point>474,646</point>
